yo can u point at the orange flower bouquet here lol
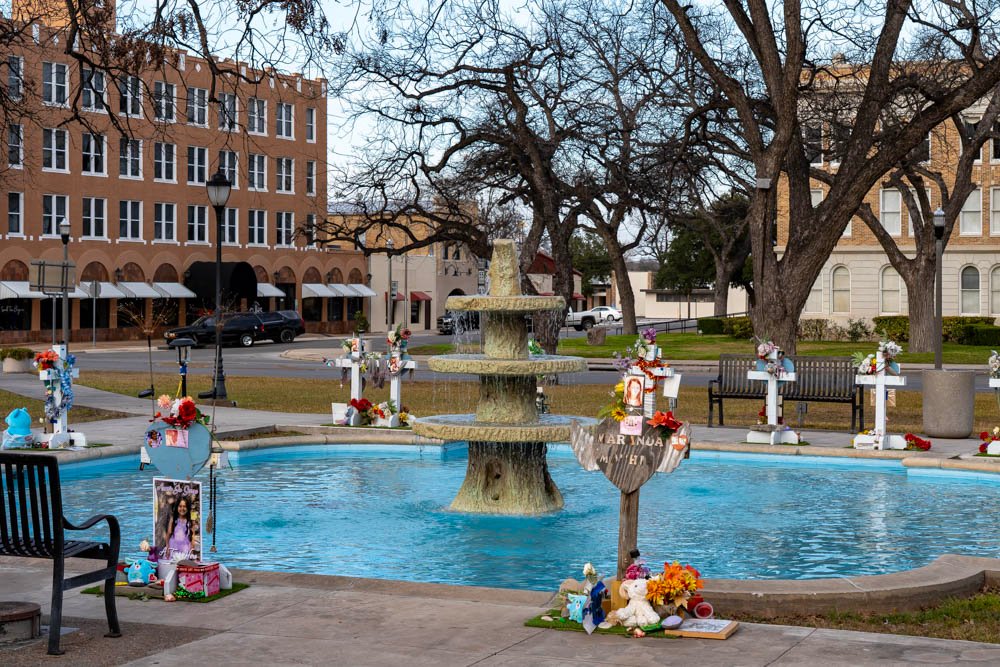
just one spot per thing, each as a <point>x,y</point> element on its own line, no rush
<point>674,586</point>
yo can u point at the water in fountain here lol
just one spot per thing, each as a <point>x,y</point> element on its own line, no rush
<point>507,471</point>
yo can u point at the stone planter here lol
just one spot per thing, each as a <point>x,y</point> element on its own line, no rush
<point>949,401</point>
<point>17,365</point>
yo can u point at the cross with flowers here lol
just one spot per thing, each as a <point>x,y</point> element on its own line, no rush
<point>645,359</point>
<point>879,371</point>
<point>772,367</point>
<point>57,369</point>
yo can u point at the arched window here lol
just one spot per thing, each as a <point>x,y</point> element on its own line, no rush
<point>995,290</point>
<point>841,291</point>
<point>969,301</point>
<point>890,303</point>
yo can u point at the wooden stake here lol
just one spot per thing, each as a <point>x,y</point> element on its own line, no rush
<point>628,530</point>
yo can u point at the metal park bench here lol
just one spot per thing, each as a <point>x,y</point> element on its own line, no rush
<point>32,525</point>
<point>820,380</point>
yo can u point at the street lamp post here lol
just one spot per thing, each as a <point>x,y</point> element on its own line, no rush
<point>64,232</point>
<point>218,195</point>
<point>390,310</point>
<point>939,223</point>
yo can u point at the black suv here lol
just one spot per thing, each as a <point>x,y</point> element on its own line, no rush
<point>282,326</point>
<point>242,329</point>
<point>463,321</point>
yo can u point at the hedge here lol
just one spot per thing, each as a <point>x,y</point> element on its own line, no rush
<point>17,353</point>
<point>980,334</point>
<point>954,328</point>
<point>738,327</point>
<point>711,325</point>
<point>892,327</point>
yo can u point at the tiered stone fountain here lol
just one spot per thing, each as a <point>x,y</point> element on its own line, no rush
<point>508,472</point>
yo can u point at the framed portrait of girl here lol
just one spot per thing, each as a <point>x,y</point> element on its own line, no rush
<point>634,386</point>
<point>177,526</point>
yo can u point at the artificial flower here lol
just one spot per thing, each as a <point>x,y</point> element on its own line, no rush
<point>589,571</point>
<point>164,401</point>
<point>618,414</point>
<point>664,420</point>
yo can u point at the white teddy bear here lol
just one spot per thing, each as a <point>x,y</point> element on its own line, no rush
<point>638,611</point>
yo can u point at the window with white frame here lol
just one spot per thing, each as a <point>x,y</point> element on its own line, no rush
<point>15,146</point>
<point>971,127</point>
<point>94,93</point>
<point>256,227</point>
<point>130,95</point>
<point>814,304</point>
<point>92,147</point>
<point>891,212</point>
<point>310,227</point>
<point>995,290</point>
<point>163,101</point>
<point>227,112</point>
<point>130,219</point>
<point>197,106</point>
<point>256,116</point>
<point>284,175</point>
<point>229,165</point>
<point>54,83</point>
<point>970,221</point>
<point>54,208</point>
<point>994,211</point>
<point>164,162</point>
<point>93,218</point>
<point>15,213</point>
<point>311,125</point>
<point>54,150</point>
<point>841,290</point>
<point>130,158</point>
<point>890,301</point>
<point>164,221</point>
<point>230,226</point>
<point>197,224</point>
<point>285,121</point>
<point>257,172</point>
<point>969,299</point>
<point>15,77</point>
<point>284,227</point>
<point>197,165</point>
<point>310,177</point>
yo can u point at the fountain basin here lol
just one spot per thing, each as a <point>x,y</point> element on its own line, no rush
<point>508,304</point>
<point>542,364</point>
<point>549,428</point>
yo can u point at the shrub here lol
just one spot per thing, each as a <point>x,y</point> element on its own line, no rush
<point>360,322</point>
<point>836,332</point>
<point>814,329</point>
<point>980,334</point>
<point>738,327</point>
<point>16,353</point>
<point>858,330</point>
<point>953,328</point>
<point>711,325</point>
<point>893,327</point>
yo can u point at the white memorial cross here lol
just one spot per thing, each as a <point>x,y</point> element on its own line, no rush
<point>879,439</point>
<point>354,361</point>
<point>671,381</point>
<point>776,434</point>
<point>61,435</point>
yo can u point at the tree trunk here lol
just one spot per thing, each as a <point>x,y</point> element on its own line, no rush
<point>508,478</point>
<point>720,289</point>
<point>919,280</point>
<point>626,298</point>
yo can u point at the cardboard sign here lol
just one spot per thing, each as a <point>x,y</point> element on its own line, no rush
<point>628,461</point>
<point>631,425</point>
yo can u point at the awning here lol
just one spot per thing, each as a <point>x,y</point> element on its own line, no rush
<point>577,295</point>
<point>174,291</point>
<point>107,291</point>
<point>363,290</point>
<point>340,290</point>
<point>139,291</point>
<point>18,289</point>
<point>420,296</point>
<point>317,290</point>
<point>399,296</point>
<point>267,290</point>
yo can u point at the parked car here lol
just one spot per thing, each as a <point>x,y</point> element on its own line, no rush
<point>242,329</point>
<point>282,326</point>
<point>585,319</point>
<point>463,321</point>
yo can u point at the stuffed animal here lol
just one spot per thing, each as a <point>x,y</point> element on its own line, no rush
<point>638,611</point>
<point>18,434</point>
<point>141,572</point>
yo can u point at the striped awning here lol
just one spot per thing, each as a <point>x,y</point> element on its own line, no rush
<point>362,290</point>
<point>317,290</point>
<point>106,291</point>
<point>340,290</point>
<point>139,291</point>
<point>174,291</point>
<point>268,290</point>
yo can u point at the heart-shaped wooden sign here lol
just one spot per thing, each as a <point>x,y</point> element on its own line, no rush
<point>178,453</point>
<point>627,460</point>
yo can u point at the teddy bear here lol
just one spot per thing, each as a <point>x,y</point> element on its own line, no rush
<point>638,611</point>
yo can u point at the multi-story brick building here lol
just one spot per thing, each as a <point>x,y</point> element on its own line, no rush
<point>135,196</point>
<point>857,280</point>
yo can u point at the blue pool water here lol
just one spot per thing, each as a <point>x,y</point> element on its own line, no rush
<point>382,512</point>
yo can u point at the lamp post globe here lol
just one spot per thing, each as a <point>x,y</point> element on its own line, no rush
<point>218,188</point>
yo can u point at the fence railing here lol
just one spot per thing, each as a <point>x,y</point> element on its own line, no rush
<point>671,326</point>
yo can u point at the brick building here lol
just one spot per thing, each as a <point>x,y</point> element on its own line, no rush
<point>136,201</point>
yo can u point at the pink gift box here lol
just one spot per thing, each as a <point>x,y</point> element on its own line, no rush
<point>200,580</point>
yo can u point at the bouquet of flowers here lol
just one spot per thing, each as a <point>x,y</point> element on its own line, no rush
<point>867,365</point>
<point>616,408</point>
<point>46,360</point>
<point>888,349</point>
<point>674,586</point>
<point>181,412</point>
<point>987,437</point>
<point>398,338</point>
<point>994,364</point>
<point>916,443</point>
<point>765,348</point>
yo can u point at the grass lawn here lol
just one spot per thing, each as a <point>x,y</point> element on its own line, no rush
<point>971,619</point>
<point>428,398</point>
<point>36,408</point>
<point>700,347</point>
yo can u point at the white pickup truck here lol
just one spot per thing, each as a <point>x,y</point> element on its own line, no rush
<point>586,319</point>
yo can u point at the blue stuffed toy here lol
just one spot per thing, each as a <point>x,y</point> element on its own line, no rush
<point>141,572</point>
<point>18,434</point>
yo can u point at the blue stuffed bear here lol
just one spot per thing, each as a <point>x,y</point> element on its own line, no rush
<point>141,572</point>
<point>18,434</point>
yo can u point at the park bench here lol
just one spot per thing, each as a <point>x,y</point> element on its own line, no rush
<point>819,380</point>
<point>32,525</point>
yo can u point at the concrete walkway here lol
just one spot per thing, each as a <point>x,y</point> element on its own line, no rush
<point>286,619</point>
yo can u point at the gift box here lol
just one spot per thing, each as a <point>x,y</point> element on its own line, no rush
<point>196,580</point>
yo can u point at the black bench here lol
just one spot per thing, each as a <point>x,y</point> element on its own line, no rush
<point>32,525</point>
<point>819,380</point>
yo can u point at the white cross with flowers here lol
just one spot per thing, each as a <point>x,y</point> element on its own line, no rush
<point>994,364</point>
<point>61,436</point>
<point>880,371</point>
<point>771,368</point>
<point>646,350</point>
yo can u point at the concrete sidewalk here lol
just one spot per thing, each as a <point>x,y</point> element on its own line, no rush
<point>285,619</point>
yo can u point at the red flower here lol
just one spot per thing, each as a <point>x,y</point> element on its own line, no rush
<point>763,411</point>
<point>361,404</point>
<point>982,448</point>
<point>665,420</point>
<point>187,411</point>
<point>984,435</point>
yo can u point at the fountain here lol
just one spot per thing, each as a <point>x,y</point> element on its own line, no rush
<point>507,471</point>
